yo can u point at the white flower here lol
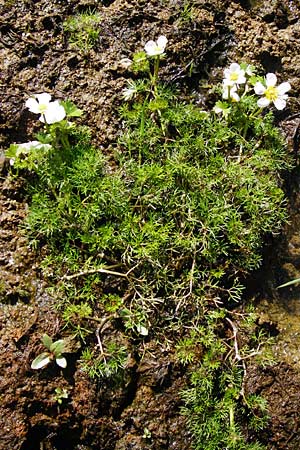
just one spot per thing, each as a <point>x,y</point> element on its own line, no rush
<point>234,75</point>
<point>51,112</point>
<point>26,147</point>
<point>272,93</point>
<point>230,92</point>
<point>156,48</point>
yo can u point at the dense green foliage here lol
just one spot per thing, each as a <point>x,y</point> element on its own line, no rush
<point>191,179</point>
<point>216,405</point>
<point>163,235</point>
<point>188,191</point>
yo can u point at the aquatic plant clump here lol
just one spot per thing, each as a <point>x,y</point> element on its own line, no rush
<point>83,30</point>
<point>162,241</point>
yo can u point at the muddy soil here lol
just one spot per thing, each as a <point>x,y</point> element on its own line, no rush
<point>35,56</point>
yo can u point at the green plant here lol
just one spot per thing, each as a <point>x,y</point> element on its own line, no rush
<point>55,351</point>
<point>60,395</point>
<point>75,317</point>
<point>216,405</point>
<point>147,434</point>
<point>188,348</point>
<point>83,30</point>
<point>289,283</point>
<point>186,12</point>
<point>108,364</point>
<point>157,244</point>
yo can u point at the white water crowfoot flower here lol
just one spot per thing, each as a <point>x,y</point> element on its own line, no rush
<point>50,112</point>
<point>19,150</point>
<point>133,88</point>
<point>234,75</point>
<point>272,93</point>
<point>156,48</point>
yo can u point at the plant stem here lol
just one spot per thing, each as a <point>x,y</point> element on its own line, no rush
<point>65,141</point>
<point>154,77</point>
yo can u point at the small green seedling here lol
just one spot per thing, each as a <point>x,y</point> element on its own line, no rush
<point>55,350</point>
<point>60,395</point>
<point>83,30</point>
<point>147,434</point>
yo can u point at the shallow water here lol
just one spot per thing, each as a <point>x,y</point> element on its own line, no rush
<point>284,313</point>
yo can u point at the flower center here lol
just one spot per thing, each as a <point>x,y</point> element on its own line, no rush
<point>234,76</point>
<point>43,108</point>
<point>271,93</point>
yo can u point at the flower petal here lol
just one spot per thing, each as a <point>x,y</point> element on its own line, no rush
<point>234,67</point>
<point>162,41</point>
<point>235,97</point>
<point>271,79</point>
<point>241,79</point>
<point>226,91</point>
<point>150,47</point>
<point>280,103</point>
<point>54,113</point>
<point>43,98</point>
<point>259,88</point>
<point>283,88</point>
<point>32,105</point>
<point>226,73</point>
<point>263,102</point>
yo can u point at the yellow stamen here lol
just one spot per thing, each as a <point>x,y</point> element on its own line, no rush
<point>271,93</point>
<point>234,76</point>
<point>43,108</point>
